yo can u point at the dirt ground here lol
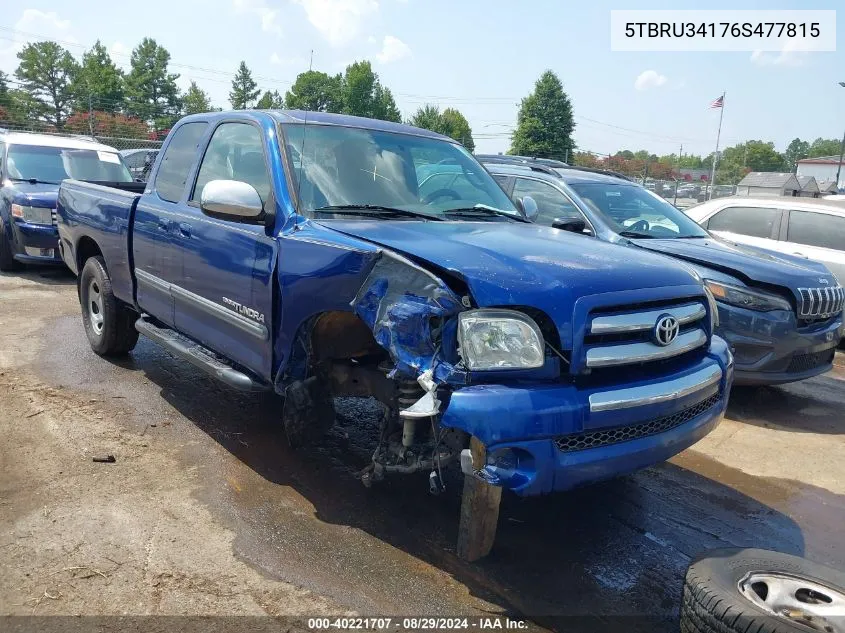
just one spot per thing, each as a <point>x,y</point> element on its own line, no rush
<point>206,511</point>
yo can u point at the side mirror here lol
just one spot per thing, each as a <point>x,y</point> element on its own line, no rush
<point>528,207</point>
<point>233,198</point>
<point>573,225</point>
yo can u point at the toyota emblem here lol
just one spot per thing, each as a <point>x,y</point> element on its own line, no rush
<point>666,330</point>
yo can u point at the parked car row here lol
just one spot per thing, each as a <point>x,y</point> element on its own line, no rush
<point>539,326</point>
<point>769,309</point>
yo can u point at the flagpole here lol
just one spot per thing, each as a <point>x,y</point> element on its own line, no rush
<point>716,154</point>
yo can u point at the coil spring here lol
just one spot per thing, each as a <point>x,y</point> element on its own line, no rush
<point>409,392</point>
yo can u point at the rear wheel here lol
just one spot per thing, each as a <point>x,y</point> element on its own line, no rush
<point>8,263</point>
<point>109,323</point>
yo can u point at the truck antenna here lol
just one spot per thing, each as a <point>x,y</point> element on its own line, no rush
<point>302,148</point>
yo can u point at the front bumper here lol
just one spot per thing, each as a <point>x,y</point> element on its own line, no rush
<point>769,348</point>
<point>556,436</point>
<point>35,243</point>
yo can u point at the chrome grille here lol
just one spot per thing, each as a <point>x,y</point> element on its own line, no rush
<point>820,303</point>
<point>606,437</point>
<point>54,217</point>
<point>627,337</point>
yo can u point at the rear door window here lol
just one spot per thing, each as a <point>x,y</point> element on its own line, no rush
<point>178,159</point>
<point>752,221</point>
<point>551,203</point>
<point>816,229</point>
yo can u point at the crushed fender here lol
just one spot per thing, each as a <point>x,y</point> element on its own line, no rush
<point>399,301</point>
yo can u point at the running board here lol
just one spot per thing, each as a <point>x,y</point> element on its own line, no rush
<point>199,356</point>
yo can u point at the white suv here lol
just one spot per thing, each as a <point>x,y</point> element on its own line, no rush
<point>799,226</point>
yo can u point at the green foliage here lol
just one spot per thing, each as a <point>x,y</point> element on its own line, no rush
<point>270,101</point>
<point>544,123</point>
<point>244,89</point>
<point>99,84</point>
<point>196,100</point>
<point>47,72</point>
<point>151,92</point>
<point>315,91</point>
<point>362,94</point>
<point>824,147</point>
<point>449,122</point>
<point>796,150</point>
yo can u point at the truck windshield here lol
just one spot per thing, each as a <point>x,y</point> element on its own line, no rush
<point>341,169</point>
<point>54,164</point>
<point>634,212</point>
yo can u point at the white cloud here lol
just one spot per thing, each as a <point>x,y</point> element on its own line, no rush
<point>296,60</point>
<point>265,14</point>
<point>650,79</point>
<point>339,21</point>
<point>392,49</point>
<point>372,39</point>
<point>786,57</point>
<point>46,24</point>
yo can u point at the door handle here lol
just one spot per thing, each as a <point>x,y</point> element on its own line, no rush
<point>185,229</point>
<point>163,224</point>
<point>799,254</point>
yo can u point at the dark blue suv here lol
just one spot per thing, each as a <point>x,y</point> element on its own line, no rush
<point>759,292</point>
<point>31,168</point>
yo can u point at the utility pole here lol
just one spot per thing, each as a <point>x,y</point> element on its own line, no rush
<point>841,152</point>
<point>680,153</point>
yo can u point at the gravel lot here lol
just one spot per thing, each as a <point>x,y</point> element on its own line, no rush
<point>207,511</point>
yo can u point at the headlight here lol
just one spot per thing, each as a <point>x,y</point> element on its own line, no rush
<point>499,339</point>
<point>34,215</point>
<point>746,298</point>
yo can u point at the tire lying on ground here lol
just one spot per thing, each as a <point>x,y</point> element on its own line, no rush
<point>757,591</point>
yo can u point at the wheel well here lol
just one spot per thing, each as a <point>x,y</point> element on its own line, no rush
<point>342,335</point>
<point>86,249</point>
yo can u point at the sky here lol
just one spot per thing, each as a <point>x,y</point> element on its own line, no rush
<point>480,56</point>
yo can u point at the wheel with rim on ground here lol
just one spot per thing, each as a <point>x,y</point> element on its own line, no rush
<point>109,323</point>
<point>758,591</point>
<point>8,263</point>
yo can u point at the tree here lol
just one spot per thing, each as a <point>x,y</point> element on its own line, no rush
<point>152,93</point>
<point>196,100</point>
<point>796,150</point>
<point>362,94</point>
<point>824,147</point>
<point>544,123</point>
<point>449,122</point>
<point>244,89</point>
<point>270,101</point>
<point>315,91</point>
<point>99,83</point>
<point>47,72</point>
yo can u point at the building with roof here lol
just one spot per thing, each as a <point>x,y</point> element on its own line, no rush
<point>809,187</point>
<point>827,187</point>
<point>822,168</point>
<point>769,184</point>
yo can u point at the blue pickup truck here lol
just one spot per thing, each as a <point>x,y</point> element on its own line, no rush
<point>31,168</point>
<point>782,315</point>
<point>318,255</point>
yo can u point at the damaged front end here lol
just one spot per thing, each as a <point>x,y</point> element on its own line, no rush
<point>398,345</point>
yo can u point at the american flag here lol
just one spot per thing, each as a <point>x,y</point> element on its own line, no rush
<point>718,103</point>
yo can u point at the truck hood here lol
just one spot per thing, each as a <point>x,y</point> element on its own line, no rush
<point>747,263</point>
<point>37,195</point>
<point>506,263</point>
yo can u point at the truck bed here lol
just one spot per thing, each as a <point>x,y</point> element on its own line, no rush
<point>90,214</point>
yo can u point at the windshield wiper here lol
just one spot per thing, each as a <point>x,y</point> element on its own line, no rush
<point>484,210</point>
<point>636,235</point>
<point>692,237</point>
<point>374,210</point>
<point>34,181</point>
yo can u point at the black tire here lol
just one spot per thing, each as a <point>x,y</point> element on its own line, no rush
<point>8,263</point>
<point>713,602</point>
<point>109,323</point>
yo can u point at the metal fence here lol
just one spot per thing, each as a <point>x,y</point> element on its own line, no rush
<point>117,142</point>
